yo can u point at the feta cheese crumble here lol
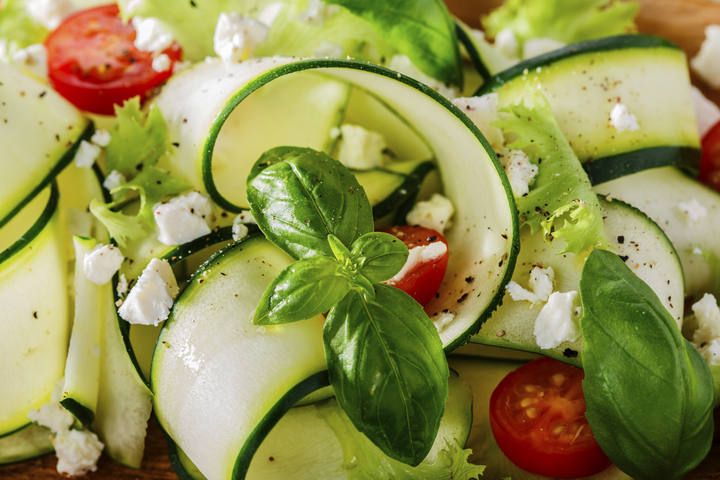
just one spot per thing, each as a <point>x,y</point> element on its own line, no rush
<point>113,180</point>
<point>151,35</point>
<point>49,12</point>
<point>122,286</point>
<point>506,42</point>
<point>434,213</point>
<point>101,138</point>
<point>520,171</point>
<point>539,46</point>
<point>34,58</point>
<point>693,210</point>
<point>622,120</point>
<point>403,64</point>
<point>706,63</point>
<point>541,283</point>
<point>707,336</point>
<point>161,63</point>
<point>245,216</point>
<point>706,112</point>
<point>236,37</point>
<point>150,300</point>
<point>86,154</point>
<point>318,11</point>
<point>419,255</point>
<point>102,263</point>
<point>183,218</point>
<point>443,320</point>
<point>556,322</point>
<point>239,229</point>
<point>359,148</point>
<point>270,13</point>
<point>483,111</point>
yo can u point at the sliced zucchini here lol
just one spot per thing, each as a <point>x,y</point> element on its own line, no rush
<point>82,367</point>
<point>659,193</point>
<point>649,253</point>
<point>200,399</point>
<point>483,375</point>
<point>584,81</point>
<point>30,442</point>
<point>484,236</point>
<point>27,105</point>
<point>35,327</point>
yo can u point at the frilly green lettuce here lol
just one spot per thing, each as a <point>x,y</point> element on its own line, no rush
<point>17,28</point>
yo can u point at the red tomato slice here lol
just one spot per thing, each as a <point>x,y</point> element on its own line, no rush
<point>710,164</point>
<point>537,414</point>
<point>423,281</point>
<point>93,62</point>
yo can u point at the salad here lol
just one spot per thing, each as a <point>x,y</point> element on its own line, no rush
<point>350,239</point>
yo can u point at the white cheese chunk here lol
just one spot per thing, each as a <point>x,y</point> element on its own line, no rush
<point>711,352</point>
<point>706,112</point>
<point>693,210</point>
<point>418,256</point>
<point>706,63</point>
<point>483,111</point>
<point>239,230</point>
<point>102,263</point>
<point>541,283</point>
<point>707,314</point>
<point>161,63</point>
<point>443,320</point>
<point>113,180</point>
<point>151,35</point>
<point>556,322</point>
<point>539,46</point>
<point>360,149</point>
<point>403,64</point>
<point>245,216</point>
<point>506,42</point>
<point>49,12</point>
<point>86,154</point>
<point>78,452</point>
<point>318,11</point>
<point>122,286</point>
<point>52,415</point>
<point>150,300</point>
<point>622,120</point>
<point>236,37</point>
<point>434,213</point>
<point>33,58</point>
<point>270,13</point>
<point>520,171</point>
<point>101,138</point>
<point>183,218</point>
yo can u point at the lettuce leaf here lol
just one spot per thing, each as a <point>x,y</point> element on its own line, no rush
<point>561,202</point>
<point>17,28</point>
<point>567,21</point>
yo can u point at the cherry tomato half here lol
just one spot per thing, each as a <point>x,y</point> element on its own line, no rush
<point>710,164</point>
<point>93,62</point>
<point>537,414</point>
<point>423,281</point>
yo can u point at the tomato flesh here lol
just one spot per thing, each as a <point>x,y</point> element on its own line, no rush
<point>710,163</point>
<point>93,61</point>
<point>537,415</point>
<point>423,281</point>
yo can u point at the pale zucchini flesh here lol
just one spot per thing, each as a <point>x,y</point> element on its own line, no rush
<point>30,442</point>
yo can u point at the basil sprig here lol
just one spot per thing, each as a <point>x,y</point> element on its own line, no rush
<point>649,394</point>
<point>384,356</point>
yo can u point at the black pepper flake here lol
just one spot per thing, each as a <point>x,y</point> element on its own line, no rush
<point>621,239</point>
<point>624,258</point>
<point>469,279</point>
<point>570,353</point>
<point>176,144</point>
<point>462,298</point>
<point>42,94</point>
<point>272,459</point>
<point>35,314</point>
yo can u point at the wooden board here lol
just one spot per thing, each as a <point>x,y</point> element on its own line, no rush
<point>682,21</point>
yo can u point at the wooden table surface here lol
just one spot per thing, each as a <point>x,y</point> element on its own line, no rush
<point>682,21</point>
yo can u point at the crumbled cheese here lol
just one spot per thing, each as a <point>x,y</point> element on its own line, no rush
<point>706,112</point>
<point>443,320</point>
<point>707,314</point>
<point>151,35</point>
<point>77,451</point>
<point>49,12</point>
<point>318,11</point>
<point>556,322</point>
<point>236,37</point>
<point>102,263</point>
<point>32,57</point>
<point>506,43</point>
<point>101,138</point>
<point>434,213</point>
<point>161,63</point>
<point>483,111</point>
<point>541,285</point>
<point>113,180</point>
<point>693,210</point>
<point>150,300</point>
<point>360,149</point>
<point>520,171</point>
<point>539,46</point>
<point>403,64</point>
<point>329,50</point>
<point>86,154</point>
<point>122,286</point>
<point>183,218</point>
<point>270,13</point>
<point>711,352</point>
<point>622,120</point>
<point>52,415</point>
<point>239,229</point>
<point>246,216</point>
<point>419,255</point>
<point>706,63</point>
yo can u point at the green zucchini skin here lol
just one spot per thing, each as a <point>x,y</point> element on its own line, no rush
<point>475,56</point>
<point>609,168</point>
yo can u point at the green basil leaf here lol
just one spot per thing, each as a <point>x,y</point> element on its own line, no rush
<point>304,289</point>
<point>379,255</point>
<point>304,196</point>
<point>649,394</point>
<point>388,370</point>
<point>421,29</point>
